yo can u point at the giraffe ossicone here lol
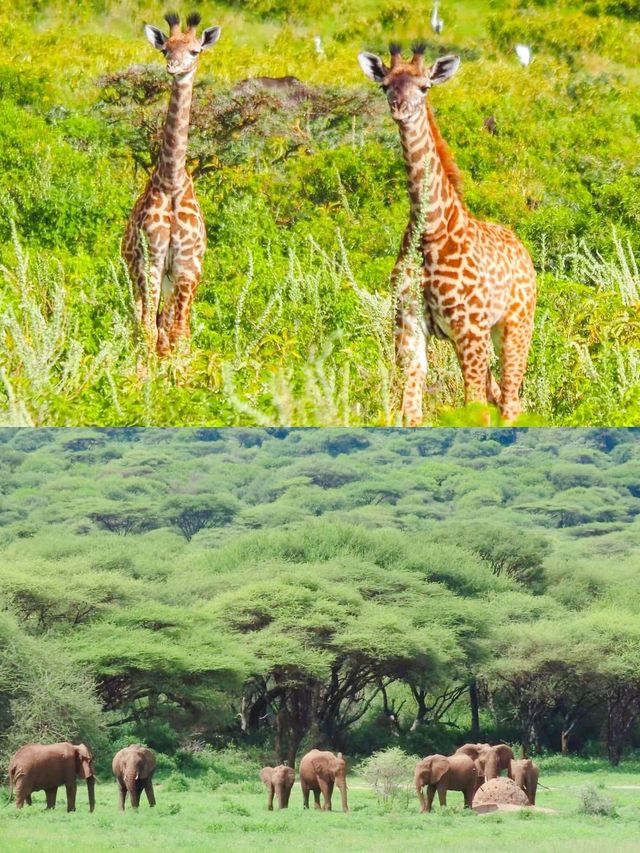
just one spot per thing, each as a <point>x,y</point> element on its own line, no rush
<point>456,277</point>
<point>165,237</point>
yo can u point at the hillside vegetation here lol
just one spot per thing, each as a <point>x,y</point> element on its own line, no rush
<point>303,192</point>
<point>274,589</point>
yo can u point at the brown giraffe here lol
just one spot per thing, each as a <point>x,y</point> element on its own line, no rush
<point>165,239</point>
<point>476,279</point>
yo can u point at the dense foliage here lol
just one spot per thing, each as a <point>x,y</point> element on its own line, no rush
<point>303,191</point>
<point>354,588</point>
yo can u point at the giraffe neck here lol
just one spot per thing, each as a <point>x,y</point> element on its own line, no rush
<point>435,202</point>
<point>171,170</point>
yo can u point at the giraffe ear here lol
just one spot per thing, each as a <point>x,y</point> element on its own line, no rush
<point>210,36</point>
<point>373,67</point>
<point>443,68</point>
<point>155,37</point>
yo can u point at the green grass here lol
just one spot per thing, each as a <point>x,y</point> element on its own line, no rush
<point>234,818</point>
<point>305,207</point>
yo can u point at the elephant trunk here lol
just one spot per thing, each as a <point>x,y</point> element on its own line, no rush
<point>420,793</point>
<point>132,787</point>
<point>91,791</point>
<point>342,785</point>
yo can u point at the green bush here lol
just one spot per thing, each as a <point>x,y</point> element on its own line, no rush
<point>592,802</point>
<point>390,773</point>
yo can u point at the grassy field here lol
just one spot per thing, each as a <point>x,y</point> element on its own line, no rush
<point>234,818</point>
<point>305,204</point>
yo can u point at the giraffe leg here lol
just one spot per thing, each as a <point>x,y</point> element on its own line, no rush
<point>515,351</point>
<point>410,343</point>
<point>494,393</point>
<point>473,354</point>
<point>185,294</point>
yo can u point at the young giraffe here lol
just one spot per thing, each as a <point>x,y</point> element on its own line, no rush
<point>477,281</point>
<point>167,216</point>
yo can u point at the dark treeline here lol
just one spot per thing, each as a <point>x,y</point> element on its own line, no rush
<point>349,588</point>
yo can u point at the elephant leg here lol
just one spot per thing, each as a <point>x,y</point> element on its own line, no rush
<point>122,795</point>
<point>442,794</point>
<point>305,794</point>
<point>29,801</point>
<point>270,798</point>
<point>431,792</point>
<point>148,788</point>
<point>325,789</point>
<point>468,796</point>
<point>316,797</point>
<point>51,793</point>
<point>71,796</point>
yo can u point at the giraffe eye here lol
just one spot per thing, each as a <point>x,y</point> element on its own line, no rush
<point>194,52</point>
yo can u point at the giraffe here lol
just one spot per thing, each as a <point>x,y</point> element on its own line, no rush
<point>165,238</point>
<point>474,281</point>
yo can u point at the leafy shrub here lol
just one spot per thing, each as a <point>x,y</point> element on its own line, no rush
<point>390,773</point>
<point>592,802</point>
<point>176,782</point>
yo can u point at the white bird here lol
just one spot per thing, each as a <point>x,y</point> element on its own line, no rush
<point>437,24</point>
<point>317,41</point>
<point>523,52</point>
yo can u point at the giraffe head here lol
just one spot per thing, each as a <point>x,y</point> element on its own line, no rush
<point>181,48</point>
<point>407,82</point>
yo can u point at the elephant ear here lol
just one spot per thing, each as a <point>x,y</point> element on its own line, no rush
<point>439,767</point>
<point>321,768</point>
<point>265,775</point>
<point>83,762</point>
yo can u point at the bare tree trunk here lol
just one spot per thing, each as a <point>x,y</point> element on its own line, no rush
<point>475,710</point>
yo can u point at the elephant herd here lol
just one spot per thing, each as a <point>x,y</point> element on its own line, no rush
<point>39,767</point>
<point>468,769</point>
<point>45,767</point>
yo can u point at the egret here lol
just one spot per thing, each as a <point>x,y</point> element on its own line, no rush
<point>317,41</point>
<point>523,52</point>
<point>437,24</point>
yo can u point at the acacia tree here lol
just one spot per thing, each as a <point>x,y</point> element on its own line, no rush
<point>191,513</point>
<point>323,651</point>
<point>44,695</point>
<point>537,668</point>
<point>123,519</point>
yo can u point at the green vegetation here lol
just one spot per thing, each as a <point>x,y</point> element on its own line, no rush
<point>278,588</point>
<point>303,193</point>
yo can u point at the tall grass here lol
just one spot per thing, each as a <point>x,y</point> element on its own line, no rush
<point>310,346</point>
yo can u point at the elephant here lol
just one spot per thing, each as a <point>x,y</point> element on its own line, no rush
<point>44,767</point>
<point>490,760</point>
<point>439,773</point>
<point>279,781</point>
<point>319,771</point>
<point>525,774</point>
<point>133,768</point>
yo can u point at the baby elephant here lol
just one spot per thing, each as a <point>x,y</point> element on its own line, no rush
<point>525,774</point>
<point>133,768</point>
<point>279,781</point>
